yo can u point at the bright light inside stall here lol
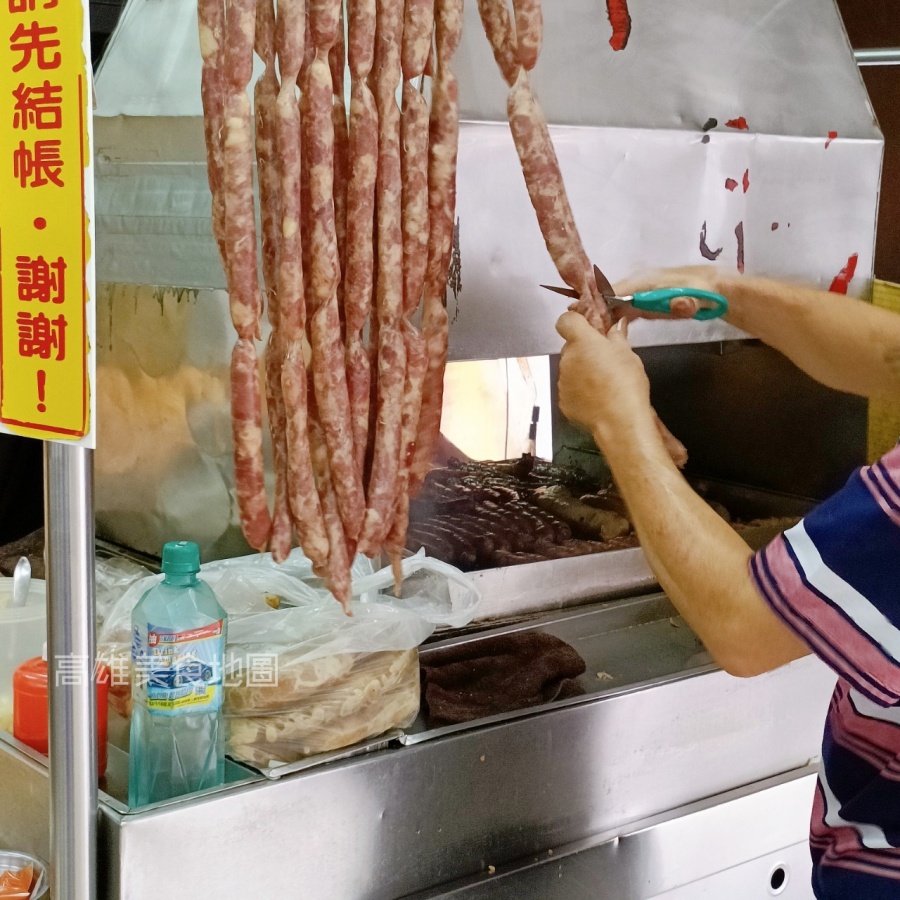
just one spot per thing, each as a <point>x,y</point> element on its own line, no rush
<point>488,406</point>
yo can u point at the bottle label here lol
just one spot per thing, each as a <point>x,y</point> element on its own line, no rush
<point>179,671</point>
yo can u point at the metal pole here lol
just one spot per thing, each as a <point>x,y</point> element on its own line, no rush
<point>886,56</point>
<point>69,531</point>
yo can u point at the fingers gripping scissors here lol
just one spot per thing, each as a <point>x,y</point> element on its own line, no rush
<point>657,301</point>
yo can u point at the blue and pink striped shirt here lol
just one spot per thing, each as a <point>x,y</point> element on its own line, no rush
<point>834,579</point>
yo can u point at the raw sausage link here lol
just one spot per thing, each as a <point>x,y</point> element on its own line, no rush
<point>290,39</point>
<point>337,58</point>
<point>265,98</point>
<point>442,151</point>
<point>329,374</point>
<point>546,189</point>
<point>361,37</point>
<point>337,574</point>
<point>391,364</point>
<point>240,225</point>
<point>414,168</point>
<point>211,19</point>
<point>414,171</point>
<point>324,22</point>
<point>418,25</point>
<point>529,28</point>
<point>500,33</point>
<point>305,505</point>
<point>281,537</point>
<point>448,21</point>
<point>290,33</point>
<point>246,423</point>
<point>416,367</point>
<point>243,283</point>
<point>240,33</point>
<point>359,276</point>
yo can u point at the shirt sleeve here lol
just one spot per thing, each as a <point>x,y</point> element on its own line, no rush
<point>834,579</point>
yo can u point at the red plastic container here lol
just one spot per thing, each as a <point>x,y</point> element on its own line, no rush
<point>31,717</point>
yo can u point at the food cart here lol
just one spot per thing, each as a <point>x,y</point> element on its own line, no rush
<point>666,774</point>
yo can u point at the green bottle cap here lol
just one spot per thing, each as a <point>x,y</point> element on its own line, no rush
<point>180,558</point>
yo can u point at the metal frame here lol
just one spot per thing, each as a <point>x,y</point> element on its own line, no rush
<point>885,56</point>
<point>69,530</point>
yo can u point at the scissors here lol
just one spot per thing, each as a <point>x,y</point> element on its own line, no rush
<point>658,301</point>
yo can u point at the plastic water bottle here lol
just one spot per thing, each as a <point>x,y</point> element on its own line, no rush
<point>178,648</point>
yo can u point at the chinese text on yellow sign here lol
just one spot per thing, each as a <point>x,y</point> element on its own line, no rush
<point>46,278</point>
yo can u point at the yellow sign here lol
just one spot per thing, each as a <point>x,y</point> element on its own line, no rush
<point>46,196</point>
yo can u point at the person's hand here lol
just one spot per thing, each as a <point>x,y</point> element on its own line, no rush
<point>707,278</point>
<point>602,382</point>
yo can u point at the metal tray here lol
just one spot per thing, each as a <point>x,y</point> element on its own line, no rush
<point>626,645</point>
<point>512,592</point>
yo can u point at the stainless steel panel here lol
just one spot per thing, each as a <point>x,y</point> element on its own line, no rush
<point>698,851</point>
<point>516,590</point>
<point>405,819</point>
<point>24,799</point>
<point>389,824</point>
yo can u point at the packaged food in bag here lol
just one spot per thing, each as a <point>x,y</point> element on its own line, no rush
<point>301,676</point>
<point>379,692</point>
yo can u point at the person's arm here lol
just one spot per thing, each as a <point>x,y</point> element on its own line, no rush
<point>701,563</point>
<point>842,342</point>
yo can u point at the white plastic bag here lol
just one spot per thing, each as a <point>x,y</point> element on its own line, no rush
<point>301,676</point>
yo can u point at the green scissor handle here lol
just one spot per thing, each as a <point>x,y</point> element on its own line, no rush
<point>660,301</point>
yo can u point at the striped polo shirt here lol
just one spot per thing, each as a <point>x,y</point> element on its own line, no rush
<point>834,579</point>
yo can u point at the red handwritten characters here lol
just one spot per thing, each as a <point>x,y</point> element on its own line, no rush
<point>845,276</point>
<point>35,41</point>
<point>705,251</point>
<point>731,184</point>
<point>23,6</point>
<point>41,336</point>
<point>831,136</point>
<point>740,123</point>
<point>38,165</point>
<point>620,19</point>
<point>37,107</point>
<point>39,280</point>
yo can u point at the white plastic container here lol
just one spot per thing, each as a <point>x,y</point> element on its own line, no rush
<point>22,635</point>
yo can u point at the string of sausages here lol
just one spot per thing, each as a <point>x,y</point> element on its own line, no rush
<point>356,213</point>
<point>516,42</point>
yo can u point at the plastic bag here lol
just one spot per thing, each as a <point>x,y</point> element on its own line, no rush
<point>15,883</point>
<point>375,693</point>
<point>301,676</point>
<point>112,577</point>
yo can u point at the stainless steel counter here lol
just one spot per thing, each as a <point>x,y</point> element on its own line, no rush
<point>668,731</point>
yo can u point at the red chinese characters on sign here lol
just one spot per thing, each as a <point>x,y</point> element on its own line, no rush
<point>41,336</point>
<point>35,42</point>
<point>45,333</point>
<point>39,280</point>
<point>23,6</point>
<point>38,165</point>
<point>37,107</point>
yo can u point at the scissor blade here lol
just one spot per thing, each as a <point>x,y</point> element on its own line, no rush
<point>603,283</point>
<point>566,292</point>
